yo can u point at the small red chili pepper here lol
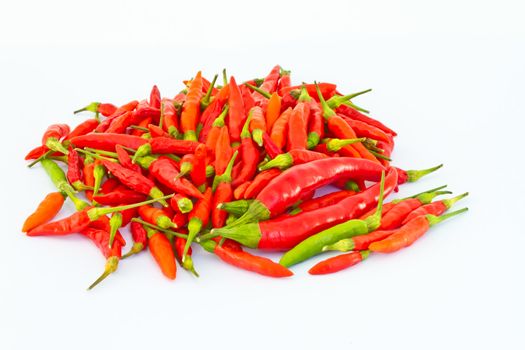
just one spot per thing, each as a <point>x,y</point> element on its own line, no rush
<point>270,147</point>
<point>180,219</point>
<point>166,173</point>
<point>327,90</point>
<point>155,216</point>
<point>140,239</point>
<point>141,128</point>
<point>109,185</point>
<point>249,157</point>
<point>187,263</point>
<point>106,109</point>
<point>260,182</point>
<point>198,172</point>
<point>191,109</point>
<point>435,208</point>
<point>170,121</point>
<point>315,125</point>
<point>280,128</point>
<point>356,115</point>
<point>154,97</point>
<point>161,250</point>
<point>269,85</point>
<point>165,145</point>
<point>213,111</point>
<point>89,178</point>
<point>222,192</point>
<point>128,107</point>
<point>156,131</point>
<point>198,219</point>
<point>74,171</point>
<point>364,130</point>
<point>119,196</point>
<point>223,150</point>
<point>338,263</point>
<point>236,115</point>
<point>107,142</point>
<point>186,164</point>
<point>46,210</point>
<point>361,242</point>
<point>180,203</point>
<point>215,130</point>
<point>53,135</point>
<point>273,110</point>
<point>298,125</point>
<point>247,99</point>
<point>410,232</point>
<point>83,128</point>
<point>247,261</point>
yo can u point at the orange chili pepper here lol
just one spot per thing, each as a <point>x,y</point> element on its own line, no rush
<point>46,210</point>
<point>191,108</point>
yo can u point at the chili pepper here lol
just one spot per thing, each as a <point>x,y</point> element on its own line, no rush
<point>179,219</point>
<point>222,192</point>
<point>315,125</point>
<point>214,109</point>
<point>324,201</point>
<point>198,219</point>
<point>247,261</point>
<point>110,185</point>
<point>46,210</point>
<point>128,107</point>
<point>249,155</point>
<point>257,125</point>
<point>106,109</point>
<point>157,131</point>
<point>293,157</point>
<point>285,232</point>
<point>87,173</point>
<point>83,128</point>
<point>98,174</point>
<point>395,216</point>
<point>270,147</point>
<point>165,145</point>
<point>269,84</point>
<point>112,255</point>
<point>53,135</point>
<point>273,110</point>
<point>356,115</point>
<point>154,97</point>
<point>223,150</point>
<point>74,174</point>
<point>140,239</point>
<point>284,81</point>
<point>435,208</point>
<point>58,177</point>
<point>160,249</point>
<point>236,115</point>
<point>260,182</point>
<point>340,128</point>
<point>237,207</point>
<point>169,118</point>
<point>114,224</point>
<point>166,173</point>
<point>198,173</point>
<point>414,175</point>
<point>38,153</point>
<point>107,142</point>
<point>125,160</point>
<point>181,203</point>
<point>205,101</point>
<point>280,128</point>
<point>213,135</point>
<point>364,130</point>
<point>338,263</point>
<point>297,124</point>
<point>361,242</point>
<point>247,99</point>
<point>135,181</point>
<point>187,264</point>
<point>292,184</point>
<point>239,191</point>
<point>141,129</point>
<point>156,216</point>
<point>314,245</point>
<point>119,196</point>
<point>191,108</point>
<point>81,219</point>
<point>410,232</point>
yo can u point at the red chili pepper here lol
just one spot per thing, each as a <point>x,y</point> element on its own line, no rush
<point>257,125</point>
<point>119,196</point>
<point>280,128</point>
<point>361,242</point>
<point>166,173</point>
<point>128,107</point>
<point>293,157</point>
<point>198,219</point>
<point>161,250</point>
<point>365,130</point>
<point>191,109</point>
<point>141,126</point>
<point>356,115</point>
<point>326,200</point>
<point>223,150</point>
<point>273,110</point>
<point>435,208</point>
<point>166,145</point>
<point>125,160</point>
<point>74,172</point>
<point>269,85</point>
<point>110,184</point>
<point>410,232</point>
<point>170,122</point>
<point>297,127</point>
<point>249,155</point>
<point>214,109</point>
<point>155,216</point>
<point>247,99</point>
<point>140,239</point>
<point>236,115</point>
<point>134,180</point>
<point>53,135</point>
<point>187,263</point>
<point>154,97</point>
<point>106,109</point>
<point>83,128</point>
<point>181,203</point>
<point>222,192</point>
<point>284,82</point>
<point>198,172</point>
<point>315,125</point>
<point>327,90</point>
<point>239,191</point>
<point>89,178</point>
<point>247,261</point>
<point>156,131</point>
<point>260,182</point>
<point>46,210</point>
<point>285,232</point>
<point>215,131</point>
<point>338,263</point>
<point>180,219</point>
<point>270,147</point>
<point>107,142</point>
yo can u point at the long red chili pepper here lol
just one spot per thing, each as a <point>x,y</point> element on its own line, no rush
<point>74,170</point>
<point>270,147</point>
<point>239,191</point>
<point>198,218</point>
<point>119,196</point>
<point>324,201</point>
<point>327,90</point>
<point>107,142</point>
<point>198,172</point>
<point>259,182</point>
<point>435,208</point>
<point>125,160</point>
<point>223,150</point>
<point>166,173</point>
<point>285,81</point>
<point>249,157</point>
<point>273,110</point>
<point>83,128</point>
<point>338,263</point>
<point>285,232</point>
<point>156,216</point>
<point>222,192</point>
<point>297,127</point>
<point>213,111</point>
<point>236,115</point>
<point>280,128</point>
<point>106,109</point>
<point>356,115</point>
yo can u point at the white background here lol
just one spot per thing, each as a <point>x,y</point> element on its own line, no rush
<point>447,75</point>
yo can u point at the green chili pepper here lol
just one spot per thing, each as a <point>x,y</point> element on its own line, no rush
<point>59,179</point>
<point>114,224</point>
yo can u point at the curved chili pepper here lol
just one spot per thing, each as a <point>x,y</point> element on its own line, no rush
<point>410,232</point>
<point>53,135</point>
<point>324,201</point>
<point>87,173</point>
<point>59,179</point>
<point>119,196</point>
<point>156,216</point>
<point>83,128</point>
<point>187,263</point>
<point>179,219</point>
<point>249,156</point>
<point>435,208</point>
<point>165,145</point>
<point>356,115</point>
<point>198,172</point>
<point>247,261</point>
<point>285,232</point>
<point>260,182</point>
<point>46,210</point>
<point>236,115</point>
<point>141,128</point>
<point>222,192</point>
<point>198,219</point>
<point>338,263</point>
<point>292,157</point>
<point>257,125</point>
<point>107,142</point>
<point>166,173</point>
<point>273,110</point>
<point>180,203</point>
<point>239,191</point>
<point>74,172</point>
<point>106,109</point>
<point>140,239</point>
<point>270,147</point>
<point>223,150</point>
<point>160,248</point>
<point>293,183</point>
<point>280,128</point>
<point>191,108</point>
<point>134,180</point>
<point>314,244</point>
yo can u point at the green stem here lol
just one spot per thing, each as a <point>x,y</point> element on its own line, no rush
<point>96,156</point>
<point>259,90</point>
<point>337,100</point>
<point>227,175</point>
<point>95,213</point>
<point>102,152</point>
<point>433,220</point>
<point>335,145</point>
<point>92,107</point>
<point>374,221</point>
<point>155,227</point>
<point>114,223</point>
<point>451,201</point>
<point>224,77</point>
<point>40,158</point>
<point>141,128</point>
<point>219,121</point>
<point>354,106</point>
<point>304,96</point>
<point>327,111</point>
<point>143,151</point>
<point>414,175</point>
<point>205,102</point>
<point>282,161</point>
<point>111,266</point>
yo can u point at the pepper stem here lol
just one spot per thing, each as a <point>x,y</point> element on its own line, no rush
<point>185,169</point>
<point>45,155</point>
<point>95,213</point>
<point>414,175</point>
<point>205,102</point>
<point>155,227</point>
<point>94,155</point>
<point>433,220</point>
<point>336,100</point>
<point>219,121</point>
<point>136,248</point>
<point>102,152</point>
<point>245,132</point>
<point>354,106</point>
<point>142,151</point>
<point>427,197</point>
<point>259,90</point>
<point>281,161</point>
<point>224,77</point>
<point>304,96</point>
<point>194,227</point>
<point>114,223</point>
<point>227,175</point>
<point>55,145</point>
<point>111,266</point>
<point>92,107</point>
<point>451,201</point>
<point>335,145</point>
<point>327,111</point>
<point>374,221</point>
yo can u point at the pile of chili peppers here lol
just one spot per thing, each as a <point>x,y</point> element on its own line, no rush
<point>230,167</point>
